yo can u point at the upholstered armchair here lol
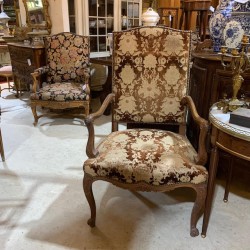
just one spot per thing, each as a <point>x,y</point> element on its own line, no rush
<point>64,82</point>
<point>150,84</point>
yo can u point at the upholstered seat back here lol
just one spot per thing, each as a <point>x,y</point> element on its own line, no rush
<point>150,74</point>
<point>67,58</point>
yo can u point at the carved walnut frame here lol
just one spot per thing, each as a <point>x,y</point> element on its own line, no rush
<point>200,189</point>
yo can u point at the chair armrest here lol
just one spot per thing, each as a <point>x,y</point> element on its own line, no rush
<point>91,151</point>
<point>204,127</point>
<point>37,77</point>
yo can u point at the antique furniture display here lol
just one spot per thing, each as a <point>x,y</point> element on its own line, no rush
<point>24,60</point>
<point>6,72</point>
<point>228,137</point>
<point>150,82</point>
<point>66,75</point>
<point>37,16</point>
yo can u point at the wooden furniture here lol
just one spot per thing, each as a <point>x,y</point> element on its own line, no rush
<point>24,60</point>
<point>149,86</point>
<point>6,72</point>
<point>169,16</point>
<point>200,6</point>
<point>107,86</point>
<point>228,137</point>
<point>66,76</point>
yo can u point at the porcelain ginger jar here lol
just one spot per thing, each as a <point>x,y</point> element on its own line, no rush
<point>150,17</point>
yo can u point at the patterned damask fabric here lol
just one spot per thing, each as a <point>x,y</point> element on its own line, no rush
<point>61,92</point>
<point>153,156</point>
<point>150,74</point>
<point>67,58</point>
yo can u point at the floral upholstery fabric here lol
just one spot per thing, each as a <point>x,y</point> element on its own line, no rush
<point>153,156</point>
<point>61,92</point>
<point>67,58</point>
<point>150,74</point>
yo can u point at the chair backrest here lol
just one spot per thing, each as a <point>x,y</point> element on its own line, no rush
<point>151,67</point>
<point>67,57</point>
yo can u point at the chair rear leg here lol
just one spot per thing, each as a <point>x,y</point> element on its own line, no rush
<point>87,187</point>
<point>197,208</point>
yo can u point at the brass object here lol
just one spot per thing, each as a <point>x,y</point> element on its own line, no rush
<point>239,63</point>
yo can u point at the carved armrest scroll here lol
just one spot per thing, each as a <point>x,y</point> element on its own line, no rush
<point>204,127</point>
<point>91,151</point>
<point>37,77</point>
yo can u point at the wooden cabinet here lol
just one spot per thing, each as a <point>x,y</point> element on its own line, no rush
<point>25,59</point>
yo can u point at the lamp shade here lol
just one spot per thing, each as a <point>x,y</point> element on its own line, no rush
<point>4,18</point>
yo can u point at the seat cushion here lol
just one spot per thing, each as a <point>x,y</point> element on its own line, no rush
<point>6,70</point>
<point>156,157</point>
<point>65,91</point>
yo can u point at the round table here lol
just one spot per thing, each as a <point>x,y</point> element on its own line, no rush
<point>231,138</point>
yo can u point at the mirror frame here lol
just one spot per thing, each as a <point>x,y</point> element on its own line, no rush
<point>47,26</point>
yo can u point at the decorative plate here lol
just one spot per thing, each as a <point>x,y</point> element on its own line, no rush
<point>233,34</point>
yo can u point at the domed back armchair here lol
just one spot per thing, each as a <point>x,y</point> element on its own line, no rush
<point>150,84</point>
<point>64,82</point>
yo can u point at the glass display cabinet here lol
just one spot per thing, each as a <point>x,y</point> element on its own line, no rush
<point>97,18</point>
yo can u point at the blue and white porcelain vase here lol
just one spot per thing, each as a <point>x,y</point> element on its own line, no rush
<point>217,22</point>
<point>239,23</point>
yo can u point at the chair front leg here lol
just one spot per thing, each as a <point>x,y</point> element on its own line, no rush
<point>87,187</point>
<point>33,108</point>
<point>197,208</point>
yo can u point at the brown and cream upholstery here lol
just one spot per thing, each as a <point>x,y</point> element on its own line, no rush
<point>150,84</point>
<point>66,73</point>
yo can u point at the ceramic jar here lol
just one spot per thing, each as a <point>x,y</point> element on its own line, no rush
<point>217,22</point>
<point>150,17</point>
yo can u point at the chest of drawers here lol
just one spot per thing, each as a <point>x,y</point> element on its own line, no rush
<point>24,60</point>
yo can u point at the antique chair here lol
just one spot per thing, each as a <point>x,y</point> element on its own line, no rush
<point>64,82</point>
<point>150,83</point>
<point>6,72</point>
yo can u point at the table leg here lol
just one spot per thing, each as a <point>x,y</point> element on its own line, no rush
<point>229,179</point>
<point>210,189</point>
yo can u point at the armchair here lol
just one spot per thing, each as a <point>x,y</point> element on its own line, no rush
<point>66,75</point>
<point>150,83</point>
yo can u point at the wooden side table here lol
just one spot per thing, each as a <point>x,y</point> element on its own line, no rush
<point>228,137</point>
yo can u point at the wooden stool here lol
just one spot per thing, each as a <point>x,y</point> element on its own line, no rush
<point>6,71</point>
<point>169,16</point>
<point>201,6</point>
